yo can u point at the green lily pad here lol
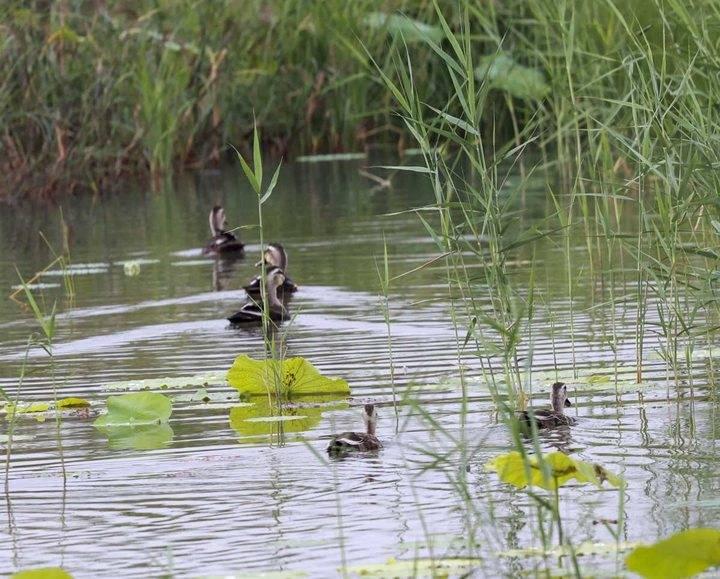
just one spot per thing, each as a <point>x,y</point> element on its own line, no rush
<point>503,73</point>
<point>417,568</point>
<point>683,555</point>
<point>197,381</point>
<point>284,378</point>
<point>135,408</point>
<point>142,437</point>
<point>559,469</point>
<point>586,548</point>
<point>42,573</point>
<point>73,403</point>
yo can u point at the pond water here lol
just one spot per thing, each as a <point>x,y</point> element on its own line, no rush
<point>212,501</point>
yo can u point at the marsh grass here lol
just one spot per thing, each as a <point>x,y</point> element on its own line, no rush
<point>626,139</point>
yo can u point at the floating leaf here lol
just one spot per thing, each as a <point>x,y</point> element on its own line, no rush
<point>134,409</point>
<point>42,573</point>
<point>417,568</point>
<point>286,378</point>
<point>503,73</point>
<point>29,408</point>
<point>131,268</point>
<point>683,555</point>
<point>332,157</point>
<point>557,470</point>
<point>73,403</point>
<point>143,437</point>
<point>411,30</point>
<point>196,380</point>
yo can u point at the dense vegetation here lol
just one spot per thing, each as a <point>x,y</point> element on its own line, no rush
<point>93,90</point>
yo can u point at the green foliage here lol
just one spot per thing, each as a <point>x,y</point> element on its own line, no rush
<point>42,573</point>
<point>283,379</point>
<point>135,409</point>
<point>555,470</point>
<point>684,554</point>
<point>461,567</point>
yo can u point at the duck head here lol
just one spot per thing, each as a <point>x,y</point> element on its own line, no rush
<point>274,255</point>
<point>559,397</point>
<point>370,418</point>
<point>218,223</point>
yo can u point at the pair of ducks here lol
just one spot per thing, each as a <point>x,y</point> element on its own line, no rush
<point>545,418</point>
<point>278,286</point>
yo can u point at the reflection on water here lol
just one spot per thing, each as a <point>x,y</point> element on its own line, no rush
<point>202,503</point>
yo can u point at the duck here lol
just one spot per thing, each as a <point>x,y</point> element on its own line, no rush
<point>273,256</point>
<point>252,311</point>
<point>222,241</point>
<point>358,441</point>
<point>549,417</point>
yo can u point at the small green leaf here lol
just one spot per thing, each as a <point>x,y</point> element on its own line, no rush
<point>257,158</point>
<point>683,555</point>
<point>273,182</point>
<point>283,378</point>
<point>557,469</point>
<point>134,409</point>
<point>42,573</point>
<point>73,403</point>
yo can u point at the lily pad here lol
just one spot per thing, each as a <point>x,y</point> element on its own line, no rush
<point>503,73</point>
<point>42,573</point>
<point>558,469</point>
<point>417,568</point>
<point>134,409</point>
<point>196,380</point>
<point>284,378</point>
<point>73,403</point>
<point>683,555</point>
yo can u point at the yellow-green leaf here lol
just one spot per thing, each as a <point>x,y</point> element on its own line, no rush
<point>73,403</point>
<point>283,378</point>
<point>263,419</point>
<point>683,555</point>
<point>135,408</point>
<point>42,573</point>
<point>554,471</point>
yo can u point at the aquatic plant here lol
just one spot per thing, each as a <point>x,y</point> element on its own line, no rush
<point>135,409</point>
<point>289,378</point>
<point>42,573</point>
<point>684,554</point>
<point>550,471</point>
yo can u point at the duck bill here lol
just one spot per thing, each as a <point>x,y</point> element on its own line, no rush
<point>567,402</point>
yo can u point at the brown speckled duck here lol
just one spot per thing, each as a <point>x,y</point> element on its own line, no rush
<point>550,417</point>
<point>358,441</point>
<point>222,241</point>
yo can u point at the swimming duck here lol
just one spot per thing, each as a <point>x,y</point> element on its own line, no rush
<point>222,240</point>
<point>252,311</point>
<point>273,256</point>
<point>550,417</point>
<point>358,441</point>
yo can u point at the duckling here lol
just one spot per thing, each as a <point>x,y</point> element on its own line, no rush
<point>274,256</point>
<point>550,417</point>
<point>222,240</point>
<point>252,312</point>
<point>358,441</point>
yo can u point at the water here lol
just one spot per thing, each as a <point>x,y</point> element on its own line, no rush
<point>211,502</point>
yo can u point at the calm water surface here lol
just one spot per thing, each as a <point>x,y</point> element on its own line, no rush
<point>214,501</point>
